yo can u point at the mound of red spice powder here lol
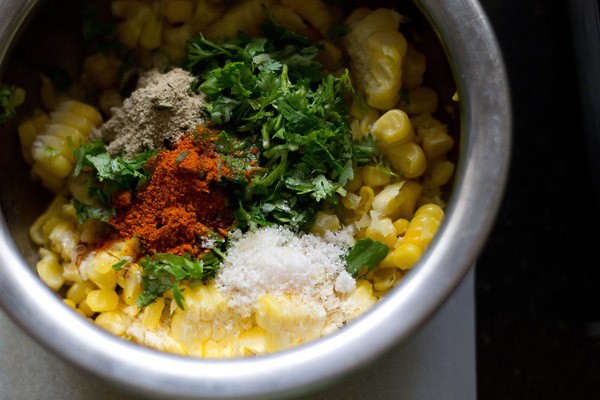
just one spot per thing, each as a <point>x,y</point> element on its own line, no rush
<point>181,203</point>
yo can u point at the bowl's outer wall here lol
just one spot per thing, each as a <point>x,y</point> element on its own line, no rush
<point>479,185</point>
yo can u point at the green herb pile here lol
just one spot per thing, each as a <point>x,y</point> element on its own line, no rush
<point>273,88</point>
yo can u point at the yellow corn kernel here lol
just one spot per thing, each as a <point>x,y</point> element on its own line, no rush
<point>49,181</point>
<point>363,126</point>
<point>38,231</point>
<point>360,300</point>
<point>182,329</point>
<point>129,32</point>
<point>211,349</point>
<point>85,110</point>
<point>288,19</point>
<point>383,78</point>
<point>17,97</point>
<point>407,200</point>
<point>421,100</point>
<point>426,121</point>
<point>314,11</point>
<point>436,142</point>
<point>393,128</point>
<point>91,230</point>
<point>206,14</point>
<point>101,272</point>
<point>251,342</point>
<point>64,240</point>
<point>364,22</point>
<point>150,36</point>
<point>325,222</point>
<point>381,229</point>
<point>48,94</point>
<point>385,278</point>
<point>102,69</point>
<point>387,261</point>
<point>179,11</point>
<point>153,313</point>
<point>360,110</point>
<point>285,314</point>
<point>29,130</point>
<point>246,16</point>
<point>113,322</point>
<point>367,194</point>
<point>132,286</point>
<point>408,159</point>
<point>406,255</point>
<point>40,120</point>
<point>424,225</point>
<point>330,55</point>
<point>351,201</point>
<point>442,172</point>
<point>176,36</point>
<point>101,300</point>
<point>432,210</point>
<point>77,186</point>
<point>47,148</point>
<point>375,176</point>
<point>27,135</point>
<point>50,270</point>
<point>66,132</point>
<point>120,8</point>
<point>55,164</point>
<point>79,290</point>
<point>414,65</point>
<point>84,309</point>
<point>212,302</point>
<point>356,182</point>
<point>388,199</point>
<point>70,303</point>
<point>401,225</point>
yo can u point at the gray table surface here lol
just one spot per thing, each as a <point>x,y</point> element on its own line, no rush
<point>437,362</point>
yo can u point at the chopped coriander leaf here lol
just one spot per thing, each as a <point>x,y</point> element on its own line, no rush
<point>271,90</point>
<point>119,264</point>
<point>182,156</point>
<point>108,174</point>
<point>89,211</point>
<point>7,110</point>
<point>365,255</point>
<point>163,271</point>
<point>365,151</point>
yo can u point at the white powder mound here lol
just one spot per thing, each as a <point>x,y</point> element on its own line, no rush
<point>278,261</point>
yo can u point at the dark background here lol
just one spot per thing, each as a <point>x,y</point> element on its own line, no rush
<point>538,278</point>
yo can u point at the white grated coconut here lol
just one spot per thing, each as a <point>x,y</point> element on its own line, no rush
<point>278,261</point>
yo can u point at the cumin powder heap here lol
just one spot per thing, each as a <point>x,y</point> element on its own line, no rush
<point>181,204</point>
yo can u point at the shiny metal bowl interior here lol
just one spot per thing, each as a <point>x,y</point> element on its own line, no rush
<point>479,72</point>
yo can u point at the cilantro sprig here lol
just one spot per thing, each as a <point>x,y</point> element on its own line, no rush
<point>164,271</point>
<point>107,175</point>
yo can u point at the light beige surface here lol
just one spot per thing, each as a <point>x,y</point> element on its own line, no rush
<point>437,363</point>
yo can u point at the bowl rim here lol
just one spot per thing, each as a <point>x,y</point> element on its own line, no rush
<point>472,49</point>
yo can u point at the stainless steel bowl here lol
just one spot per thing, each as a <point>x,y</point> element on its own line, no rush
<point>480,75</point>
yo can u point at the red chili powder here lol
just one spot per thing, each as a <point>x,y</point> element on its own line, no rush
<point>181,203</point>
